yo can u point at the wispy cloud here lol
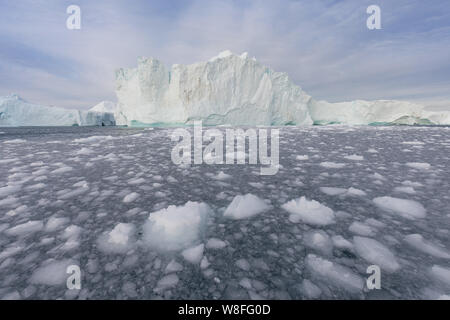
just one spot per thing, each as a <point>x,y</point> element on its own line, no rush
<point>323,45</point>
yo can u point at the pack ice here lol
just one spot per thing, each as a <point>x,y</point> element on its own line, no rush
<point>14,111</point>
<point>238,90</point>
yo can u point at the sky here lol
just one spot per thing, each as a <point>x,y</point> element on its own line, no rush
<point>324,45</point>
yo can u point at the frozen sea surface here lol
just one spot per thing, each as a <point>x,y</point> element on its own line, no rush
<point>111,201</point>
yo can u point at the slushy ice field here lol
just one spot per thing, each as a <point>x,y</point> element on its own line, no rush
<point>111,201</point>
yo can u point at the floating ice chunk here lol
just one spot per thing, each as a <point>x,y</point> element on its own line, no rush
<point>319,240</point>
<point>413,142</point>
<point>36,186</point>
<point>93,139</point>
<point>84,151</point>
<point>376,253</point>
<point>176,228</point>
<point>340,276</point>
<point>15,141</point>
<point>5,161</point>
<point>8,190</point>
<point>441,274</point>
<point>10,251</point>
<point>194,254</point>
<point>222,176</point>
<point>131,197</point>
<point>243,264</point>
<point>302,157</point>
<point>26,228</point>
<point>408,190</point>
<point>332,165</point>
<point>409,209</point>
<point>361,229</point>
<point>204,263</point>
<point>118,240</point>
<point>52,272</point>
<point>167,282</point>
<point>419,243</point>
<point>173,266</point>
<point>309,211</point>
<point>74,193</point>
<point>136,181</point>
<point>61,170</point>
<point>215,243</point>
<point>341,242</point>
<point>331,191</point>
<point>245,206</point>
<point>54,223</point>
<point>310,290</point>
<point>355,192</point>
<point>419,165</point>
<point>354,157</point>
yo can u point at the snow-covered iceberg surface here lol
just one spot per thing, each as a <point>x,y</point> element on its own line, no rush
<point>237,90</point>
<point>14,111</point>
<point>227,89</point>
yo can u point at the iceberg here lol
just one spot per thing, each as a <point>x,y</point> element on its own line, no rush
<point>361,112</point>
<point>238,90</point>
<point>227,89</point>
<point>14,111</point>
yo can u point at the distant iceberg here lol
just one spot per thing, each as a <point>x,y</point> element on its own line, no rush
<point>237,90</point>
<point>14,111</point>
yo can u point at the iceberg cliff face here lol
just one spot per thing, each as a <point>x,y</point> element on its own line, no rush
<point>237,90</point>
<point>228,89</point>
<point>15,111</point>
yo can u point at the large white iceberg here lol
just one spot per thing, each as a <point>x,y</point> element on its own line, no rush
<point>14,111</point>
<point>228,89</point>
<point>237,90</point>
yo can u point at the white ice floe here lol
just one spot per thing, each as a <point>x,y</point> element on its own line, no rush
<point>176,228</point>
<point>419,165</point>
<point>26,228</point>
<point>309,211</point>
<point>118,240</point>
<point>222,176</point>
<point>419,243</point>
<point>333,191</point>
<point>214,243</point>
<point>54,223</point>
<point>319,241</point>
<point>441,274</point>
<point>302,157</point>
<point>405,189</point>
<point>167,282</point>
<point>333,273</point>
<point>93,139</point>
<point>194,254</point>
<point>332,165</point>
<point>173,266</point>
<point>84,151</point>
<point>376,253</point>
<point>354,157</point>
<point>409,209</point>
<point>245,206</point>
<point>15,141</point>
<point>130,197</point>
<point>342,243</point>
<point>243,264</point>
<point>52,272</point>
<point>361,229</point>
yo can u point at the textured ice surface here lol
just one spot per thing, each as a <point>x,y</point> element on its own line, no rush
<point>58,217</point>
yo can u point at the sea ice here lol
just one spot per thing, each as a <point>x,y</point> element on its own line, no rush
<point>376,253</point>
<point>309,211</point>
<point>409,209</point>
<point>245,206</point>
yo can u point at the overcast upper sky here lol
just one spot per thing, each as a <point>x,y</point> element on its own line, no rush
<point>324,45</point>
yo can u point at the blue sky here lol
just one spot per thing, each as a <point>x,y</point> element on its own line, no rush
<point>324,45</point>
